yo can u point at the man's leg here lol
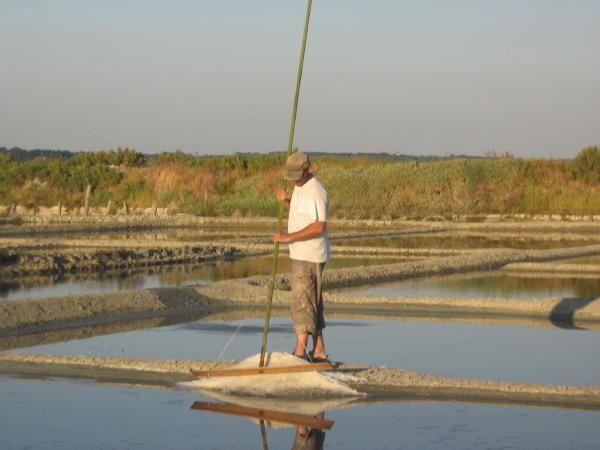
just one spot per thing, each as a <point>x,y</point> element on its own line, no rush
<point>318,340</point>
<point>319,346</point>
<point>301,345</point>
<point>302,304</point>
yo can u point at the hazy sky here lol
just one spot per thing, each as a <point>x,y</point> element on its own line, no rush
<point>217,76</point>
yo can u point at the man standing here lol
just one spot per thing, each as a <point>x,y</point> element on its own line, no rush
<point>309,251</point>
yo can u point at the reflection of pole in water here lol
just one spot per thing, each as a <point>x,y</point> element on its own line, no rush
<point>263,434</point>
<point>309,432</point>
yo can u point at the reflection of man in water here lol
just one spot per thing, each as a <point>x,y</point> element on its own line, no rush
<point>309,439</point>
<point>309,251</point>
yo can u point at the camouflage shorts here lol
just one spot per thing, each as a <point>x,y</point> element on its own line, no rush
<point>307,297</point>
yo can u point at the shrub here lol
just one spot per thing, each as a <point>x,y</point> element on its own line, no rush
<point>185,201</point>
<point>359,187</point>
<point>586,165</point>
<point>247,201</point>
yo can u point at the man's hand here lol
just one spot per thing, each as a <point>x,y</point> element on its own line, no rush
<point>281,237</point>
<point>310,231</point>
<point>282,195</point>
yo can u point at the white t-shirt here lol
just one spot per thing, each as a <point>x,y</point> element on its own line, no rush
<point>309,204</point>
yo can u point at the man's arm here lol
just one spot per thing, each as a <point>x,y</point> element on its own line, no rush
<point>282,196</point>
<point>310,231</point>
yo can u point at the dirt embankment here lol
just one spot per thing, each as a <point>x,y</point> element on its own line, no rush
<point>21,315</point>
<point>15,263</point>
<point>472,262</point>
<point>554,268</point>
<point>375,382</point>
<point>251,289</point>
<point>24,225</point>
<point>28,225</point>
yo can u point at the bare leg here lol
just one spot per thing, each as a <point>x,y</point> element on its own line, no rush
<point>301,344</point>
<point>319,346</point>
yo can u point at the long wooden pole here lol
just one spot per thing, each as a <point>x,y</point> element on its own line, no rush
<point>270,370</point>
<point>263,346</point>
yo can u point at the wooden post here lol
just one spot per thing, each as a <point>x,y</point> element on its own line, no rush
<point>13,209</point>
<point>108,207</point>
<point>205,195</point>
<point>88,191</point>
<point>154,208</point>
<point>59,208</point>
<point>125,208</point>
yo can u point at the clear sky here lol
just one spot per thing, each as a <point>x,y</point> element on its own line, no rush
<point>217,76</point>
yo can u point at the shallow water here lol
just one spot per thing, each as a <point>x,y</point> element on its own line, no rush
<point>541,355</point>
<point>68,414</point>
<point>170,276</point>
<point>490,284</point>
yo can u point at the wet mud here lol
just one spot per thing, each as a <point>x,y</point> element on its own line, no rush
<point>31,322</point>
<point>219,296</point>
<point>14,262</point>
<point>378,383</point>
<point>554,268</point>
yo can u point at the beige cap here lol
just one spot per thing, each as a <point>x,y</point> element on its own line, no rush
<point>295,166</point>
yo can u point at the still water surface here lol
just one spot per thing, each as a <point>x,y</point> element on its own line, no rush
<point>170,276</point>
<point>66,414</point>
<point>490,284</point>
<point>542,355</point>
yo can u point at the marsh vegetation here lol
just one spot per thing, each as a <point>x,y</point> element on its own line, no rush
<point>360,187</point>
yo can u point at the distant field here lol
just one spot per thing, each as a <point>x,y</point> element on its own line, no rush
<point>359,187</point>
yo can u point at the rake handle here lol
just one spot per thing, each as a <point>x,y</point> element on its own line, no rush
<point>263,347</point>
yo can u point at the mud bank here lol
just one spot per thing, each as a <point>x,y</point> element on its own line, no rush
<point>16,263</point>
<point>45,225</point>
<point>570,312</point>
<point>28,225</point>
<point>567,312</point>
<point>33,322</point>
<point>87,328</point>
<point>553,268</point>
<point>371,252</point>
<point>27,316</point>
<point>246,289</point>
<point>375,382</point>
<point>23,315</point>
<point>475,261</point>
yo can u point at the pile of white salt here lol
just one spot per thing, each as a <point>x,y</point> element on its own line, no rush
<point>287,385</point>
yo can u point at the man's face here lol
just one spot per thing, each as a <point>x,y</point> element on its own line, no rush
<point>306,175</point>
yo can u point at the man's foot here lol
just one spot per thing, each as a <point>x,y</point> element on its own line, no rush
<point>320,360</point>
<point>323,357</point>
<point>318,350</point>
<point>300,347</point>
<point>305,356</point>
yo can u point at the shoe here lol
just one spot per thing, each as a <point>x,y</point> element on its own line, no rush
<point>320,360</point>
<point>304,357</point>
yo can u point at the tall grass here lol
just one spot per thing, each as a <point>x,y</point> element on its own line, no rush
<point>359,187</point>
